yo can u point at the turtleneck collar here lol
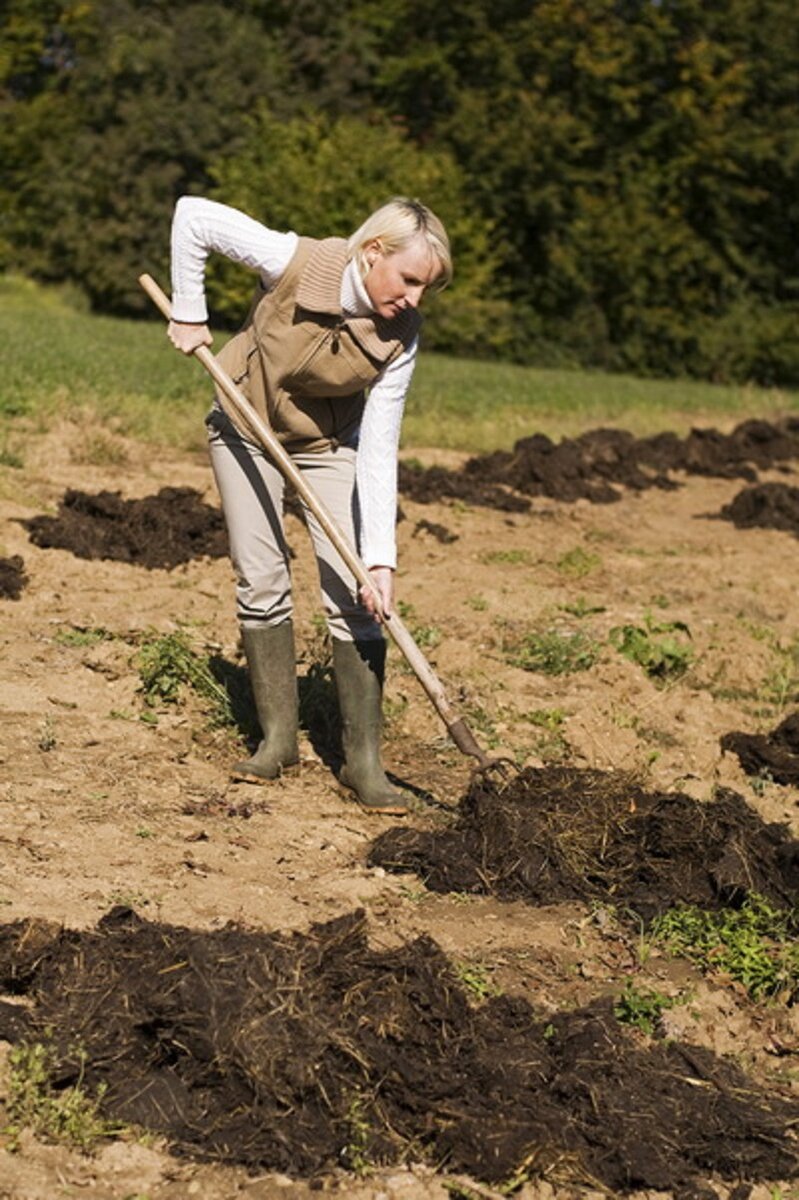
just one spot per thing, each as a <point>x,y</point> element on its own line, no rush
<point>355,300</point>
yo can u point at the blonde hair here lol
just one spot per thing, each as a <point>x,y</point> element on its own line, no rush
<point>395,226</point>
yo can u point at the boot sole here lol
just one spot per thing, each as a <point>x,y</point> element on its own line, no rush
<point>390,810</point>
<point>251,777</point>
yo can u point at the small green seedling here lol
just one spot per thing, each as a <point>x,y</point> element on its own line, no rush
<point>82,636</point>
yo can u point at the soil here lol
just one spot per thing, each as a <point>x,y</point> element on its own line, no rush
<point>109,806</point>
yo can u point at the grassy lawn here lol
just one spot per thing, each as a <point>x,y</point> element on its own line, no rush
<point>124,375</point>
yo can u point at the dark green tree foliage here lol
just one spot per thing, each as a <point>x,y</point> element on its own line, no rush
<point>620,175</point>
<point>641,161</point>
<point>94,159</point>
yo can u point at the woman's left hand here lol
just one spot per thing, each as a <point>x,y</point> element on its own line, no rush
<point>383,584</point>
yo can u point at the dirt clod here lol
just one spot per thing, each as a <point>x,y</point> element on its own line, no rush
<point>560,833</point>
<point>158,531</point>
<point>13,577</point>
<point>303,1052</point>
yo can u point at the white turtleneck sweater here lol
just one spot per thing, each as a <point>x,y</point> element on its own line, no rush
<point>201,226</point>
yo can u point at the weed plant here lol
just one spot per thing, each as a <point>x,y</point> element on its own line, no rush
<point>356,1152</point>
<point>427,637</point>
<point>476,980</point>
<point>756,945</point>
<point>581,608</point>
<point>660,647</point>
<point>82,636</point>
<point>550,744</point>
<point>66,1115</point>
<point>578,562</point>
<point>641,1007</point>
<point>167,664</point>
<point>553,652</point>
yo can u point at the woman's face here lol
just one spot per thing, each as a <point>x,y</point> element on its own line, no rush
<point>397,281</point>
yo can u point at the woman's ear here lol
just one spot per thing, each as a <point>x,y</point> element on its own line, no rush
<point>372,251</point>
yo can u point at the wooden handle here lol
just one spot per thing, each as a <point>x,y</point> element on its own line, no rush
<point>246,414</point>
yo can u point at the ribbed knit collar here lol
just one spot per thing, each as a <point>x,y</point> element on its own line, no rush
<point>329,284</point>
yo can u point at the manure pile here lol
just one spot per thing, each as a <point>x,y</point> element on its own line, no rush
<point>176,526</point>
<point>766,506</point>
<point>774,755</point>
<point>598,464</point>
<point>560,833</point>
<point>160,531</point>
<point>307,1051</point>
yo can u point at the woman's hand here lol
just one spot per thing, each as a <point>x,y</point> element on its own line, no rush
<point>383,584</point>
<point>188,338</point>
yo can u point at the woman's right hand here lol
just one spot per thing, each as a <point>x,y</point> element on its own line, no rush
<point>188,338</point>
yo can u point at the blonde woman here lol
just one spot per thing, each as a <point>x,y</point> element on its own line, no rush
<point>326,357</point>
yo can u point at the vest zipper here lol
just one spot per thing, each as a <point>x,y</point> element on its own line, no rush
<point>336,339</point>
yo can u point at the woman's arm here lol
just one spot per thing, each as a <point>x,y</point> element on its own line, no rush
<point>376,473</point>
<point>200,226</point>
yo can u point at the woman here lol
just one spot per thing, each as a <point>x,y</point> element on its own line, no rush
<point>326,357</point>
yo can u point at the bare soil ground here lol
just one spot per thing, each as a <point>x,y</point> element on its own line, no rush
<point>102,808</point>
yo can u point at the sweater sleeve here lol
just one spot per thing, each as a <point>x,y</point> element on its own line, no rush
<point>200,226</point>
<point>376,462</point>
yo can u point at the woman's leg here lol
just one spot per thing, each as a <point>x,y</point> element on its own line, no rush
<point>251,489</point>
<point>359,650</point>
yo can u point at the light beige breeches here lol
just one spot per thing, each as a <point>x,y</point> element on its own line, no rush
<point>251,490</point>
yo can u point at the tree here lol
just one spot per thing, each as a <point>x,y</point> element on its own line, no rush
<point>95,160</point>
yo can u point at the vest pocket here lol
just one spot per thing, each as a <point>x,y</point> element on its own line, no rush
<point>334,366</point>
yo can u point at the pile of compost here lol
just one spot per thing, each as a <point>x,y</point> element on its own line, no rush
<point>560,833</point>
<point>765,506</point>
<point>600,463</point>
<point>159,531</point>
<point>13,577</point>
<point>305,1052</point>
<point>774,755</point>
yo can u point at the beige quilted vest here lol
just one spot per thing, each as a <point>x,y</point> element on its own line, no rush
<point>302,365</point>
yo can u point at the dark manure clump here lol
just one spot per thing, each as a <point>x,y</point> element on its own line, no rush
<point>560,833</point>
<point>599,464</point>
<point>159,531</point>
<point>772,755</point>
<point>13,577</point>
<point>310,1051</point>
<point>765,506</point>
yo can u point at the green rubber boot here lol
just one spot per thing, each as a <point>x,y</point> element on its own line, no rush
<point>359,669</point>
<point>273,677</point>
